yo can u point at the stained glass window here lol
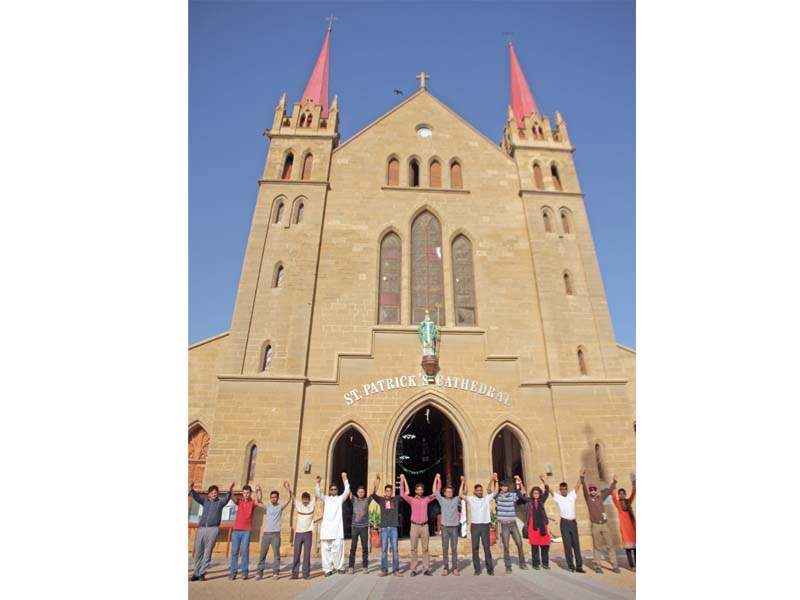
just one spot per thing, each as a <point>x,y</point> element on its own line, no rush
<point>463,281</point>
<point>427,279</point>
<point>389,285</point>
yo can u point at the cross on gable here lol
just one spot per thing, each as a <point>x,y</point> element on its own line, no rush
<point>422,77</point>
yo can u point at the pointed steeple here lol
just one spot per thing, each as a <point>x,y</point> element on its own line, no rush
<point>522,101</point>
<point>317,87</point>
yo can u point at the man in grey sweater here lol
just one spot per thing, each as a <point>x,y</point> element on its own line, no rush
<point>360,529</point>
<point>450,522</point>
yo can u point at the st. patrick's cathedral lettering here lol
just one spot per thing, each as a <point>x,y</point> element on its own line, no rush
<point>420,380</point>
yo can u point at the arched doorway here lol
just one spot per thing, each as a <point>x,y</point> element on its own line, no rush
<point>428,443</point>
<point>198,452</point>
<point>351,455</point>
<point>507,455</point>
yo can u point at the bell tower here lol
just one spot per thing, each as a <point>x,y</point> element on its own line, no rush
<point>271,322</point>
<point>579,337</point>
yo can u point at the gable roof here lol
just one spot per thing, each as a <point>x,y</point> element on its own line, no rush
<point>440,103</point>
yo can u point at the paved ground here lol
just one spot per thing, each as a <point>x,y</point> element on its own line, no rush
<point>555,584</point>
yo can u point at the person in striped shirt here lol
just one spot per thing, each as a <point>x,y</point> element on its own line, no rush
<point>505,501</point>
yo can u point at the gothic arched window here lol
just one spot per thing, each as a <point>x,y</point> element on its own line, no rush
<point>582,362</point>
<point>413,173</point>
<point>556,180</point>
<point>278,281</point>
<point>279,213</point>
<point>251,464</point>
<point>393,172</point>
<point>427,279</point>
<point>537,176</point>
<point>567,284</point>
<point>267,358</point>
<point>565,222</point>
<point>548,220</point>
<point>463,281</point>
<point>389,284</point>
<point>287,166</point>
<point>455,176</point>
<point>436,174</point>
<point>300,210</point>
<point>307,162</point>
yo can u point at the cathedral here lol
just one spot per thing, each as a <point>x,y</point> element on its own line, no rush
<point>353,244</point>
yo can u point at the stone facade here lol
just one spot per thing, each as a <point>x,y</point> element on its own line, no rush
<point>322,322</point>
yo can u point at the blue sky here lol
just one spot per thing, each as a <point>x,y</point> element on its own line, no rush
<point>578,58</point>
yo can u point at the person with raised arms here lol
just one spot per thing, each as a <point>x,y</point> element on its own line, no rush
<point>389,504</point>
<point>601,534</point>
<point>565,499</point>
<point>303,534</point>
<point>481,518</point>
<point>419,524</point>
<point>331,530</point>
<point>271,536</point>
<point>208,527</point>
<point>240,539</point>
<point>360,528</point>
<point>450,523</point>
<point>506,501</point>
<point>538,531</point>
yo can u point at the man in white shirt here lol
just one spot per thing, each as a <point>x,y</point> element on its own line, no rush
<point>302,534</point>
<point>331,529</point>
<point>481,518</point>
<point>569,525</point>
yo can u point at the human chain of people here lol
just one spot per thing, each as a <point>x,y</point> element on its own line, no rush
<point>506,494</point>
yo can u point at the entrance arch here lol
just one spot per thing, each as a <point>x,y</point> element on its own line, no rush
<point>427,443</point>
<point>350,453</point>
<point>508,454</point>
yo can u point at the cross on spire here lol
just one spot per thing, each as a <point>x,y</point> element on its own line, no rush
<point>330,21</point>
<point>422,77</point>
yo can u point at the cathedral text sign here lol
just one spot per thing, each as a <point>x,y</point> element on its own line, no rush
<point>420,380</point>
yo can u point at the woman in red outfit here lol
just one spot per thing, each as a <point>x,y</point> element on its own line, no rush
<point>538,534</point>
<point>627,521</point>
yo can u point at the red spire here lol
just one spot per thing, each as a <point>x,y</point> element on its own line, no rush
<point>317,87</point>
<point>522,101</point>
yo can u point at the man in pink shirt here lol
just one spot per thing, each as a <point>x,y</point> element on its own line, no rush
<point>419,524</point>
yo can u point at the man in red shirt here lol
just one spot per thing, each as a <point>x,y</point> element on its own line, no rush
<point>240,540</point>
<point>419,524</point>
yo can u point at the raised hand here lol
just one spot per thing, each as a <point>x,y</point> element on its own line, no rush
<point>258,488</point>
<point>402,476</point>
<point>319,478</point>
<point>232,484</point>
<point>286,484</point>
<point>378,476</point>
<point>541,478</point>
<point>344,476</point>
<point>437,477</point>
<point>462,478</point>
<point>613,478</point>
<point>494,476</point>
<point>583,472</point>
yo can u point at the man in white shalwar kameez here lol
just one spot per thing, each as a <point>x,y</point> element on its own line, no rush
<point>331,529</point>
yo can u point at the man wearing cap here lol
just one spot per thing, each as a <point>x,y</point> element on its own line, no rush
<point>601,534</point>
<point>505,502</point>
<point>569,525</point>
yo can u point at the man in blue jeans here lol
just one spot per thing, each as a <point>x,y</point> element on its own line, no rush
<point>240,539</point>
<point>389,504</point>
